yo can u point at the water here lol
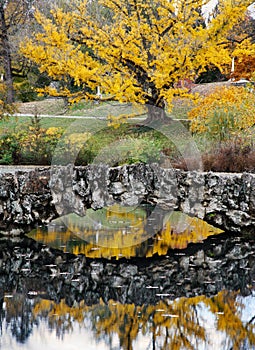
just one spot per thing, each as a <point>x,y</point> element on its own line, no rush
<point>124,232</point>
<point>226,321</point>
<point>151,281</point>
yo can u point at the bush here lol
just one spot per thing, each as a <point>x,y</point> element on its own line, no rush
<point>231,156</point>
<point>236,155</point>
<point>32,145</point>
<point>224,113</point>
<point>9,149</point>
<point>125,145</point>
<point>130,150</point>
<point>37,145</point>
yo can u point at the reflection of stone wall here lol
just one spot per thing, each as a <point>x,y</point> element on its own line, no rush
<point>203,269</point>
<point>35,196</point>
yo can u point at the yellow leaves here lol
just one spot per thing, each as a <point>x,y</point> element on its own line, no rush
<point>244,54</point>
<point>52,131</point>
<point>116,121</point>
<point>180,230</point>
<point>5,108</point>
<point>224,112</point>
<point>121,232</point>
<point>138,52</point>
<point>178,322</point>
<point>77,140</point>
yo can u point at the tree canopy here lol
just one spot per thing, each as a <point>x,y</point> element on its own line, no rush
<point>134,50</point>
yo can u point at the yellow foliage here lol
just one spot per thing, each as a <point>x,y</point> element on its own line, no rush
<point>139,53</point>
<point>77,140</point>
<point>125,234</point>
<point>177,322</point>
<point>244,54</point>
<point>5,108</point>
<point>226,111</point>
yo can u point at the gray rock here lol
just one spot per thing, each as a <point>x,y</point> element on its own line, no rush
<point>35,196</point>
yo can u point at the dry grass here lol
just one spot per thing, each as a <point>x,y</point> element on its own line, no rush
<point>230,156</point>
<point>51,106</point>
<point>205,89</point>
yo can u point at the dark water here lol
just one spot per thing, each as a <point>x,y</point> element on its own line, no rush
<point>55,313</point>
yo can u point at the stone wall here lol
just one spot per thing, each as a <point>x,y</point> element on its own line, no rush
<point>33,196</point>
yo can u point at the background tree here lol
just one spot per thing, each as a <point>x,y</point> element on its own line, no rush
<point>16,23</point>
<point>13,13</point>
<point>242,42</point>
<point>134,50</point>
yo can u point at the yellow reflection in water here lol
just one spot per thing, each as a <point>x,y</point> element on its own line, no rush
<point>114,233</point>
<point>169,324</point>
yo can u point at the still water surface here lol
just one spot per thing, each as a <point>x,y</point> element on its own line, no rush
<point>226,321</point>
<point>32,322</point>
<point>117,232</point>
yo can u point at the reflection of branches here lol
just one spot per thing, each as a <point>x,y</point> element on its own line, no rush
<point>19,317</point>
<point>2,314</point>
<point>80,237</point>
<point>170,324</point>
<point>228,309</point>
<point>251,320</point>
<point>178,322</point>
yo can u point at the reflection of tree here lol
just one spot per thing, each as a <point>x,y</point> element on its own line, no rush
<point>178,230</point>
<point>229,321</point>
<point>170,324</point>
<point>175,325</point>
<point>2,313</point>
<point>18,317</point>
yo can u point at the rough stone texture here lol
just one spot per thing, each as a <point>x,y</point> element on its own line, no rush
<point>202,269</point>
<point>25,200</point>
<point>36,196</point>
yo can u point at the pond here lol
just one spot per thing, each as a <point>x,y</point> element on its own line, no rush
<point>117,231</point>
<point>222,322</point>
<point>127,278</point>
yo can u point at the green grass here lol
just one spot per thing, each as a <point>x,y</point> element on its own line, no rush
<point>102,110</point>
<point>128,143</point>
<point>180,109</point>
<point>53,106</point>
<point>13,124</point>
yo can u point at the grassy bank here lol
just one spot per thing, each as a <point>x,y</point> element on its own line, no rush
<point>35,140</point>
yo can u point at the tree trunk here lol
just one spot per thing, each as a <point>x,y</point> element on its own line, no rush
<point>156,114</point>
<point>6,52</point>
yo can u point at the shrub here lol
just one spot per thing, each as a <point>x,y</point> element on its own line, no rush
<point>130,150</point>
<point>236,155</point>
<point>9,149</point>
<point>32,145</point>
<point>5,108</point>
<point>224,113</point>
<point>231,156</point>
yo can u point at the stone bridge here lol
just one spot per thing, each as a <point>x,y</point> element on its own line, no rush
<point>31,196</point>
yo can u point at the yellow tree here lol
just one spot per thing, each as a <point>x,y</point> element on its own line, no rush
<point>135,50</point>
<point>241,42</point>
<point>244,54</point>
